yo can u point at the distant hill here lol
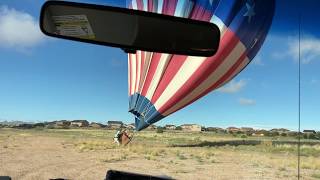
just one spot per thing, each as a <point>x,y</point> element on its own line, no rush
<point>14,123</point>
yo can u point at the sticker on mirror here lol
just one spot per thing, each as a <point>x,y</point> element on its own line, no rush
<point>73,26</point>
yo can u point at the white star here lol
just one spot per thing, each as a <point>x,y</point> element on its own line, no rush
<point>250,11</point>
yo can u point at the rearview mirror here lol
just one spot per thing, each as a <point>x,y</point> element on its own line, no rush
<point>128,29</point>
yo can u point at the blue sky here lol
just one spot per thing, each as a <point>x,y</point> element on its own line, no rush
<point>43,79</point>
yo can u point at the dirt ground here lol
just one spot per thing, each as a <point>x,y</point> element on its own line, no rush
<point>87,154</point>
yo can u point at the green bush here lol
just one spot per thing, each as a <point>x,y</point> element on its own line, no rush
<point>273,134</point>
<point>50,126</point>
<point>317,176</point>
<point>243,136</point>
<point>65,127</point>
<point>159,130</point>
<point>312,136</point>
<point>266,133</point>
<point>283,134</point>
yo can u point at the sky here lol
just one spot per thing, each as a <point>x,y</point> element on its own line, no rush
<point>46,79</point>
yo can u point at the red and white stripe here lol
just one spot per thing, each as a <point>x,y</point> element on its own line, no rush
<point>172,82</point>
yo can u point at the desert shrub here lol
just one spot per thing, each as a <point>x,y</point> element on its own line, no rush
<point>38,125</point>
<point>94,145</point>
<point>65,127</point>
<point>312,136</point>
<point>50,126</point>
<point>243,136</point>
<point>292,134</point>
<point>179,128</point>
<point>283,134</point>
<point>111,159</point>
<point>147,157</point>
<point>159,130</point>
<point>318,135</point>
<point>282,169</point>
<point>283,148</point>
<point>198,158</point>
<point>317,176</point>
<point>273,134</point>
<point>196,139</point>
<point>182,157</point>
<point>221,132</point>
<point>38,128</point>
<point>306,150</point>
<point>267,133</point>
<point>310,151</point>
<point>267,143</point>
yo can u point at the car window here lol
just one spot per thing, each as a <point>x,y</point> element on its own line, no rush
<point>64,105</point>
<point>309,86</point>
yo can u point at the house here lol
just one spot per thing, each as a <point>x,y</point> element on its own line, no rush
<point>24,126</point>
<point>115,124</point>
<point>191,127</point>
<point>96,125</point>
<point>233,129</point>
<point>259,133</point>
<point>79,123</point>
<point>62,123</point>
<point>152,127</point>
<point>170,127</point>
<point>280,130</point>
<point>216,129</point>
<point>247,130</point>
<point>12,124</point>
<point>308,131</point>
<point>130,126</point>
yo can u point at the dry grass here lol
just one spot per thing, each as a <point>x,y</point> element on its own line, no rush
<point>155,151</point>
<point>317,175</point>
<point>94,145</point>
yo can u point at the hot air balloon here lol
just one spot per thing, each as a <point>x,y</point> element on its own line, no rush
<point>161,84</point>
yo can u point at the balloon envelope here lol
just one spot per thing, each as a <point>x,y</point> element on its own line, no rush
<point>161,84</point>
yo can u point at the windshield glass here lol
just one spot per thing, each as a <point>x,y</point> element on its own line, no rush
<point>76,110</point>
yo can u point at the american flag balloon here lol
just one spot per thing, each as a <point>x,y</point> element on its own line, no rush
<point>161,84</point>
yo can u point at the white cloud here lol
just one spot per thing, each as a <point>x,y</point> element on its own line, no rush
<point>246,102</point>
<point>309,49</point>
<point>232,86</point>
<point>18,29</point>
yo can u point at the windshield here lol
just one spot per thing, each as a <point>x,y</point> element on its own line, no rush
<point>249,112</point>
